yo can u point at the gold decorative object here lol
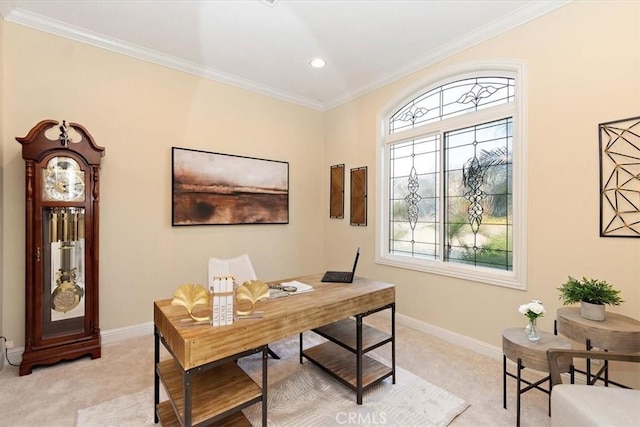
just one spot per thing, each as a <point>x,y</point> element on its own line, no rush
<point>189,295</point>
<point>67,294</point>
<point>252,291</point>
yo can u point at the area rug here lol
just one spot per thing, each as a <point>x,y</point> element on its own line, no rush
<point>309,397</point>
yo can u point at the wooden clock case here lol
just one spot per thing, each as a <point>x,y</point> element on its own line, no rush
<point>49,336</point>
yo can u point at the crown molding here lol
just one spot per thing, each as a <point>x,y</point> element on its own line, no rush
<point>492,29</point>
<point>52,26</point>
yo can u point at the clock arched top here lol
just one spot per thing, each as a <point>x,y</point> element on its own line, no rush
<point>36,145</point>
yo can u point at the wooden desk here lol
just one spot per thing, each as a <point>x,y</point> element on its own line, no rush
<point>193,347</point>
<point>616,333</point>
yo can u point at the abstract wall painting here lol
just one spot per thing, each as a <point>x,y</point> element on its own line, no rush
<point>214,189</point>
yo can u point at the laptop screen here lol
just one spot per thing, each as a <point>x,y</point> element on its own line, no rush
<point>355,262</point>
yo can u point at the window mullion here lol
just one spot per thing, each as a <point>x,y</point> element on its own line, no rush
<point>442,198</point>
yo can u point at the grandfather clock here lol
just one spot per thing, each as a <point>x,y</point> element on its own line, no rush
<point>62,219</point>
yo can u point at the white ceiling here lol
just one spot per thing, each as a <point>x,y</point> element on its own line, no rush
<point>266,47</point>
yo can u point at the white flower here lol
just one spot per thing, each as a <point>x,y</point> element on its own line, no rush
<point>536,307</point>
<point>532,310</point>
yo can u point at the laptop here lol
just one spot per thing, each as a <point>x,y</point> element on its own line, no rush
<point>342,276</point>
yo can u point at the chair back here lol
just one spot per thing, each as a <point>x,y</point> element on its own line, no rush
<point>558,356</point>
<point>239,267</point>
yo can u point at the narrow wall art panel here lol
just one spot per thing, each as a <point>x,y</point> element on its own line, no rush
<point>620,178</point>
<point>336,196</point>
<point>214,188</point>
<point>359,196</point>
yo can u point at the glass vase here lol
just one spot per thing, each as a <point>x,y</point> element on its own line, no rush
<point>532,330</point>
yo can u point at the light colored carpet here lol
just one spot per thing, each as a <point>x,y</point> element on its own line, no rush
<point>309,397</point>
<point>52,395</point>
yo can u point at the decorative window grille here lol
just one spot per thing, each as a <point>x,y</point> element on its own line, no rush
<point>450,172</point>
<point>453,99</point>
<point>479,212</point>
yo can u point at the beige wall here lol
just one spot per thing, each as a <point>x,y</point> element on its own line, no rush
<point>138,111</point>
<point>1,185</point>
<point>582,68</point>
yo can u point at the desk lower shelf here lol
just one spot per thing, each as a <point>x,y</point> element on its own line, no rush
<point>341,364</point>
<point>343,356</point>
<point>168,418</point>
<point>208,402</point>
<point>343,333</point>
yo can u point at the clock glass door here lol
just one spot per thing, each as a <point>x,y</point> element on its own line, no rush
<point>63,307</point>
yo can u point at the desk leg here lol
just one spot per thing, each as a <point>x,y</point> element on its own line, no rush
<point>359,359</point>
<point>156,377</point>
<point>393,343</point>
<point>265,356</point>
<point>186,387</point>
<point>301,348</point>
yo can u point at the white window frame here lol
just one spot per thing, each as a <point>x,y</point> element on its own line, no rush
<point>515,278</point>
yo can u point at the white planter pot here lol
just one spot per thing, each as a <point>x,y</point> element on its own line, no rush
<point>592,311</point>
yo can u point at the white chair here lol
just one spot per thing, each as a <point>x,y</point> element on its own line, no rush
<point>240,268</point>
<point>591,405</point>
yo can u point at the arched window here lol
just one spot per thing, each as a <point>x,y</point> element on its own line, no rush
<point>452,183</point>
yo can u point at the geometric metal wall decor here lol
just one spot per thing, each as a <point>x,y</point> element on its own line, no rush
<point>620,178</point>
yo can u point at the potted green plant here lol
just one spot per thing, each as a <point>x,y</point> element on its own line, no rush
<point>592,294</point>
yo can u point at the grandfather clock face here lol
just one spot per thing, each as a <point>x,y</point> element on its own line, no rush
<point>63,181</point>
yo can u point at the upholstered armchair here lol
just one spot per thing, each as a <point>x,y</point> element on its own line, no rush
<point>591,405</point>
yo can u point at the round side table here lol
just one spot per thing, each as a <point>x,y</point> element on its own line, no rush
<point>616,333</point>
<point>529,354</point>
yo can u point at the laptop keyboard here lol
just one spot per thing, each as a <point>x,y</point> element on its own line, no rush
<point>338,276</point>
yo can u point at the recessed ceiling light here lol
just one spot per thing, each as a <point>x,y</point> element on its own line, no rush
<point>317,63</point>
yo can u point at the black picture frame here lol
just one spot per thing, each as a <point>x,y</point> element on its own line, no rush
<point>209,188</point>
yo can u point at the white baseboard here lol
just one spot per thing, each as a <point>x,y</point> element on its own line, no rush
<point>112,335</point>
<point>452,337</point>
<point>119,334</point>
<point>143,329</point>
